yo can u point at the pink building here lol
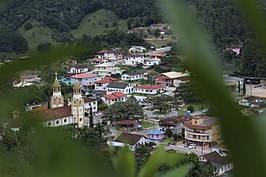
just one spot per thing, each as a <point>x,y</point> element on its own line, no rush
<point>156,135</point>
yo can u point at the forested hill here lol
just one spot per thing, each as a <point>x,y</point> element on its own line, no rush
<point>64,15</point>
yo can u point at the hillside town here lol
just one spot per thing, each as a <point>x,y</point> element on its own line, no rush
<point>109,91</point>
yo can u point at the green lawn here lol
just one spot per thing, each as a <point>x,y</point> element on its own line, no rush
<point>146,124</point>
<point>37,34</point>
<point>159,43</point>
<point>98,23</point>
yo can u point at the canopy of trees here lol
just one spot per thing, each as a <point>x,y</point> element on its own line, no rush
<point>129,110</point>
<point>11,41</point>
<point>162,103</point>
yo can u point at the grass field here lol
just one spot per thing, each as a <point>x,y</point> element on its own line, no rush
<point>98,23</point>
<point>37,34</point>
<point>146,124</point>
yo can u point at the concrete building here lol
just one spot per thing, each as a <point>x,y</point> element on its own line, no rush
<point>171,79</point>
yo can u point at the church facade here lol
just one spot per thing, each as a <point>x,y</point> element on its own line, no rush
<point>74,111</point>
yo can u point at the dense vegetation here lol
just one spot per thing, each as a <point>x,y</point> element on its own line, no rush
<point>65,15</point>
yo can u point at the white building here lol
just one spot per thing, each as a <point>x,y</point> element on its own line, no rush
<point>102,84</point>
<point>132,140</point>
<point>151,61</point>
<point>106,69</point>
<point>133,76</point>
<point>222,162</point>
<point>83,79</point>
<point>29,78</point>
<point>90,103</point>
<point>149,89</point>
<point>114,97</point>
<point>78,69</point>
<point>123,87</point>
<point>110,54</point>
<point>134,59</point>
<point>137,49</point>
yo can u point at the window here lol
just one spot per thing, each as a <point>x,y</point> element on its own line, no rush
<point>49,123</point>
<point>196,122</point>
<point>57,122</point>
<point>65,120</point>
<point>157,136</point>
<point>80,119</point>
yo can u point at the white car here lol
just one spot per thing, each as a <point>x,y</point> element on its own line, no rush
<point>191,146</point>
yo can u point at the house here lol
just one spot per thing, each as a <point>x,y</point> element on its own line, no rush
<point>77,69</point>
<point>149,89</point>
<point>112,98</point>
<point>106,69</point>
<point>148,62</point>
<point>134,59</point>
<point>37,106</point>
<point>157,55</point>
<point>71,62</point>
<point>102,84</point>
<point>156,135</point>
<point>110,54</point>
<point>132,76</point>
<point>97,61</point>
<point>203,130</point>
<point>222,162</point>
<point>90,103</point>
<point>171,79</point>
<point>132,140</point>
<point>83,79</point>
<point>28,78</point>
<point>251,101</point>
<point>123,87</point>
<point>137,49</point>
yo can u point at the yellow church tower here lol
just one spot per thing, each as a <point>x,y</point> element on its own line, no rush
<point>77,105</point>
<point>57,100</point>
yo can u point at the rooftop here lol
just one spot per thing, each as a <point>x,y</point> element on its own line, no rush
<point>156,132</point>
<point>106,80</point>
<point>89,100</point>
<point>128,138</point>
<point>114,95</point>
<point>55,113</point>
<point>119,85</point>
<point>134,73</point>
<point>83,76</point>
<point>173,74</point>
<point>79,66</point>
<point>215,157</point>
<point>105,65</point>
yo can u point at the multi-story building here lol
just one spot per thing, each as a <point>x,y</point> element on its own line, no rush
<point>133,76</point>
<point>203,130</point>
<point>149,89</point>
<point>83,79</point>
<point>106,69</point>
<point>114,97</point>
<point>123,87</point>
<point>134,59</point>
<point>110,54</point>
<point>102,84</point>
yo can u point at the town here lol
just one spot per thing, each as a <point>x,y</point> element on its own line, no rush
<point>138,107</point>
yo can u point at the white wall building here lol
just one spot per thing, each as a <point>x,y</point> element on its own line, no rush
<point>123,87</point>
<point>106,69</point>
<point>78,69</point>
<point>134,59</point>
<point>137,49</point>
<point>114,97</point>
<point>149,89</point>
<point>110,54</point>
<point>83,79</point>
<point>132,76</point>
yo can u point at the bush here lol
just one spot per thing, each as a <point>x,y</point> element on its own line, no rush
<point>191,108</point>
<point>27,26</point>
<point>168,133</point>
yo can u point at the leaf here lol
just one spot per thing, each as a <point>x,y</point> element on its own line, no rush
<point>239,133</point>
<point>124,163</point>
<point>157,158</point>
<point>178,172</point>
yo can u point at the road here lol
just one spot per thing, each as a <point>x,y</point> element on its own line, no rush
<point>160,50</point>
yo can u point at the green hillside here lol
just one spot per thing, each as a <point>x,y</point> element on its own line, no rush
<point>37,34</point>
<point>98,23</point>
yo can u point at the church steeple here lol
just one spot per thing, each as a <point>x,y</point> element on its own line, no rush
<point>57,100</point>
<point>77,105</point>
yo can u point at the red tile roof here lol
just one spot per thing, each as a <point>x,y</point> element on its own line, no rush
<point>83,76</point>
<point>27,76</point>
<point>158,55</point>
<point>55,113</point>
<point>98,59</point>
<point>114,95</point>
<point>150,87</point>
<point>89,100</point>
<point>88,85</point>
<point>126,122</point>
<point>106,80</point>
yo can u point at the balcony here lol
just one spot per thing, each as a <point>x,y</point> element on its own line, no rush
<point>199,138</point>
<point>198,132</point>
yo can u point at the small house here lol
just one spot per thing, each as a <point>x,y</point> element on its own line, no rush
<point>156,135</point>
<point>149,89</point>
<point>77,69</point>
<point>132,76</point>
<point>114,97</point>
<point>123,87</point>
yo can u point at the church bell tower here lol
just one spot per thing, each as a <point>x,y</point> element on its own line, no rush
<point>57,100</point>
<point>77,105</point>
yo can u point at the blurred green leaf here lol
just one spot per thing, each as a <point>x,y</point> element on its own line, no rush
<point>158,157</point>
<point>239,132</point>
<point>124,163</point>
<point>179,172</point>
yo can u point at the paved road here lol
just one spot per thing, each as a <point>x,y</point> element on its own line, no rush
<point>180,148</point>
<point>160,50</point>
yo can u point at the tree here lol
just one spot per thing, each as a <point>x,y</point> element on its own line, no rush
<point>129,110</point>
<point>27,26</point>
<point>244,89</point>
<point>89,136</point>
<point>191,108</point>
<point>163,103</point>
<point>156,33</point>
<point>91,118</point>
<point>168,132</point>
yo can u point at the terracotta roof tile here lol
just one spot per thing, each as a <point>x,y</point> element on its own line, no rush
<point>128,138</point>
<point>150,87</point>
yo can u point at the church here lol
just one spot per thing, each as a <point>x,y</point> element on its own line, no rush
<point>74,111</point>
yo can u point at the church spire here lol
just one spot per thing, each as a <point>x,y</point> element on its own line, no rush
<point>57,100</point>
<point>77,88</point>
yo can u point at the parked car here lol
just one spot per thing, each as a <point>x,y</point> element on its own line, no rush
<point>191,146</point>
